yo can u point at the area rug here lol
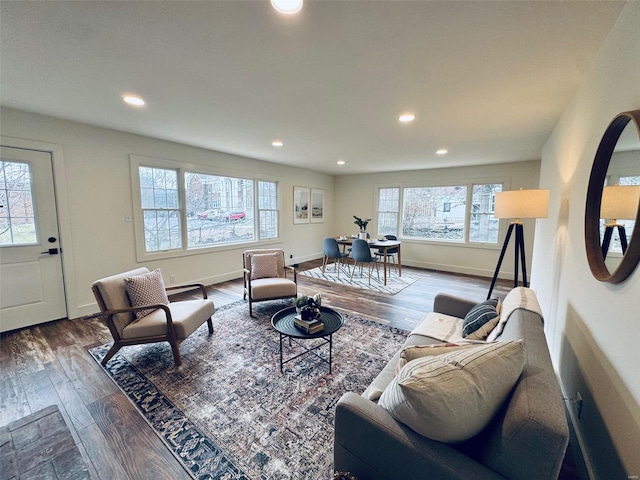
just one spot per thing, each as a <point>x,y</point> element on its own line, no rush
<point>361,281</point>
<point>228,413</point>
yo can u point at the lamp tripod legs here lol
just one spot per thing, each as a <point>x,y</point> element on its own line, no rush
<point>519,257</point>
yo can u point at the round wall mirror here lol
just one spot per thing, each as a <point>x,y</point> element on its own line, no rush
<point>612,215</point>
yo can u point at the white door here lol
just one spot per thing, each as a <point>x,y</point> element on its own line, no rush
<point>31,281</point>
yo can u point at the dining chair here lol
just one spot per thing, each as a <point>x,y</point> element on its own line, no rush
<point>391,253</point>
<point>332,252</point>
<point>361,253</point>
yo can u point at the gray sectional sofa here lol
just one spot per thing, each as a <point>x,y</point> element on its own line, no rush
<point>526,440</point>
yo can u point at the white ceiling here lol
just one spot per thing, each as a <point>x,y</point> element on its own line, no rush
<point>487,80</point>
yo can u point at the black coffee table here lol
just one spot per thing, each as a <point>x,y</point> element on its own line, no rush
<point>283,323</point>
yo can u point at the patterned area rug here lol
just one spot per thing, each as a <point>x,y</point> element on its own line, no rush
<point>228,413</point>
<point>361,281</point>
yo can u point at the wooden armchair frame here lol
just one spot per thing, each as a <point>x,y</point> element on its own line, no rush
<point>248,281</point>
<point>170,336</point>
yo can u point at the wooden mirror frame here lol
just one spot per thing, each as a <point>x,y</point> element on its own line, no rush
<point>592,212</point>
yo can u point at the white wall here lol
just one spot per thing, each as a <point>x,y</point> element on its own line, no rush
<point>356,195</point>
<point>96,195</point>
<point>593,328</point>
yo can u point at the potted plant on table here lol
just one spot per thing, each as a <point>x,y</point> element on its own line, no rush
<point>363,226</point>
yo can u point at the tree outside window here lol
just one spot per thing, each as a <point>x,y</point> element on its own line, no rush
<point>483,227</point>
<point>424,214</point>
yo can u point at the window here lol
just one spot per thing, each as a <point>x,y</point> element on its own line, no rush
<point>483,226</point>
<point>183,209</point>
<point>268,209</point>
<point>17,220</point>
<point>424,217</point>
<point>388,203</point>
<point>160,209</point>
<point>629,224</point>
<point>439,213</point>
<point>219,209</point>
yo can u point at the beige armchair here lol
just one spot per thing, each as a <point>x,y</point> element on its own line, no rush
<point>265,276</point>
<point>171,323</point>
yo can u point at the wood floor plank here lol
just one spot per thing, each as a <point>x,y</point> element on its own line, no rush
<point>31,350</point>
<point>13,400</point>
<point>86,375</point>
<point>39,390</point>
<point>127,433</point>
<point>101,458</point>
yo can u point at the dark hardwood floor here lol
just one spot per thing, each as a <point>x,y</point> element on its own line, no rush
<point>48,364</point>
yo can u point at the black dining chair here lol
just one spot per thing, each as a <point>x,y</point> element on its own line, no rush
<point>391,253</point>
<point>332,252</point>
<point>361,253</point>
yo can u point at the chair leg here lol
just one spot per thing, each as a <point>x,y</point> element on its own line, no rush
<point>210,325</point>
<point>353,271</point>
<point>112,351</point>
<point>324,263</point>
<point>176,353</point>
<point>250,307</point>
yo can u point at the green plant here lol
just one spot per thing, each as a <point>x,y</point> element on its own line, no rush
<point>362,223</point>
<point>301,301</point>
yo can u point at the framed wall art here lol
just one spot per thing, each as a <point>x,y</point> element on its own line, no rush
<point>317,205</point>
<point>300,205</point>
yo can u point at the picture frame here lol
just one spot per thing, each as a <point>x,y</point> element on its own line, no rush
<point>317,205</point>
<point>301,205</point>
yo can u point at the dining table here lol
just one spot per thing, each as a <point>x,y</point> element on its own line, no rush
<point>382,245</point>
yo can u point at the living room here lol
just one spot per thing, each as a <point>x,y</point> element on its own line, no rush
<point>588,323</point>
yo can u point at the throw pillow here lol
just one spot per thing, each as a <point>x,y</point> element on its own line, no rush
<point>264,265</point>
<point>146,289</point>
<point>476,319</point>
<point>452,397</point>
<point>418,351</point>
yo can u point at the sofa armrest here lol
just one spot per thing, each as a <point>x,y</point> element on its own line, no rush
<point>451,305</point>
<point>370,443</point>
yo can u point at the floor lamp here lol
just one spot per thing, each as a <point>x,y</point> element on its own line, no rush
<point>518,204</point>
<point>618,202</point>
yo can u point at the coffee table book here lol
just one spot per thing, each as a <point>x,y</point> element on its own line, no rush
<point>309,326</point>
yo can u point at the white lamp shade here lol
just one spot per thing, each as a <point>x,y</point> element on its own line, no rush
<point>522,204</point>
<point>620,201</point>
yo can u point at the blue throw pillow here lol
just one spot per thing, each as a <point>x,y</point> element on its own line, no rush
<point>479,315</point>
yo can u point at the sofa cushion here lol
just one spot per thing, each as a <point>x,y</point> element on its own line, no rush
<point>146,289</point>
<point>452,397</point>
<point>480,320</point>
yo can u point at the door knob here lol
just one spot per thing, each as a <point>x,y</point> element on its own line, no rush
<point>51,251</point>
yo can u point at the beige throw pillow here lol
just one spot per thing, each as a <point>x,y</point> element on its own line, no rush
<point>452,397</point>
<point>264,265</point>
<point>418,351</point>
<point>146,289</point>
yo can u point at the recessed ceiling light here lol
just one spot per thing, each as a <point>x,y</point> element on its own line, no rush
<point>287,7</point>
<point>341,162</point>
<point>277,143</point>
<point>442,151</point>
<point>407,117</point>
<point>133,100</point>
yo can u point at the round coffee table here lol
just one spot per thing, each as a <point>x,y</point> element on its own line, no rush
<point>283,323</point>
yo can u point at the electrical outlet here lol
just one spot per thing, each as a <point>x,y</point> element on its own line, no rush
<point>579,405</point>
<point>172,279</point>
<point>127,217</point>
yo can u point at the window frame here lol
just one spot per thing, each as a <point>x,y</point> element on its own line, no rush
<point>469,183</point>
<point>142,255</point>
